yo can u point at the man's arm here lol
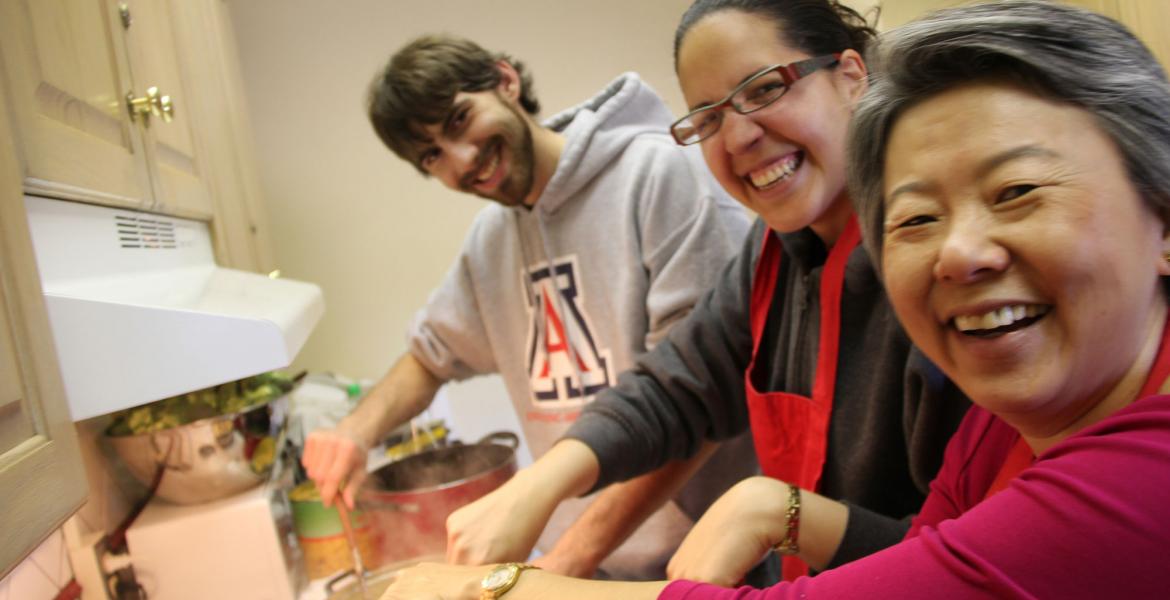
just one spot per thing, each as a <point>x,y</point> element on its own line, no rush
<point>615,514</point>
<point>334,456</point>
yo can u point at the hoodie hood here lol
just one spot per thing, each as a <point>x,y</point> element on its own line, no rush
<point>597,130</point>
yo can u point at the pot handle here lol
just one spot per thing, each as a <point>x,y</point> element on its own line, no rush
<point>503,438</point>
<point>338,579</point>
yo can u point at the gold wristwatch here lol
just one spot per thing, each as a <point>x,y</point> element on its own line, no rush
<point>501,579</point>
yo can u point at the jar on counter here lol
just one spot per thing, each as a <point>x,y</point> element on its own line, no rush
<point>326,551</point>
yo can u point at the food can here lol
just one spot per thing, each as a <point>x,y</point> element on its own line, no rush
<point>326,551</point>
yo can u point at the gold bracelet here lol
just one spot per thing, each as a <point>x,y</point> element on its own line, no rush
<point>788,545</point>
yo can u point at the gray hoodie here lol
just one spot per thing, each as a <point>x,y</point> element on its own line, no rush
<point>630,231</point>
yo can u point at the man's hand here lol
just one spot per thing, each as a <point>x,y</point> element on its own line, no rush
<point>337,455</point>
<point>333,456</point>
<point>734,534</point>
<point>432,581</point>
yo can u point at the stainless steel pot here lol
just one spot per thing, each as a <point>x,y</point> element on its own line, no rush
<point>346,586</point>
<point>408,501</point>
<point>210,458</point>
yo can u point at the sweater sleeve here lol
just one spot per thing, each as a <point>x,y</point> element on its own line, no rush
<point>1087,520</point>
<point>688,389</point>
<point>447,335</point>
<point>688,229</point>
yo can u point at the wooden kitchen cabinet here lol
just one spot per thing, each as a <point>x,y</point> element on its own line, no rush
<point>71,68</point>
<point>180,180</point>
<point>209,57</point>
<point>42,480</point>
<point>70,65</point>
<point>66,67</point>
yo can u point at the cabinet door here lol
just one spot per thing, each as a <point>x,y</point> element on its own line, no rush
<point>207,55</point>
<point>42,480</point>
<point>180,186</point>
<point>65,65</point>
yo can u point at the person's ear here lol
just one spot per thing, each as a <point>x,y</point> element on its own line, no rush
<point>852,75</point>
<point>509,85</point>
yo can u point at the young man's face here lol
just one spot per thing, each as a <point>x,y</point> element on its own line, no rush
<point>483,147</point>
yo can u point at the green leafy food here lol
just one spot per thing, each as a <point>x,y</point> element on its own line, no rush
<point>223,399</point>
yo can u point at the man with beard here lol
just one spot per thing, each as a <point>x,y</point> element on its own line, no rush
<point>602,234</point>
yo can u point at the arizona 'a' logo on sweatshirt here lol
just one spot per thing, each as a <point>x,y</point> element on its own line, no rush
<point>565,365</point>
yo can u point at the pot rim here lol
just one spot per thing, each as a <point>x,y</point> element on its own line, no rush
<point>510,463</point>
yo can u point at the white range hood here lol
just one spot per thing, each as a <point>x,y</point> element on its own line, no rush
<point>140,311</point>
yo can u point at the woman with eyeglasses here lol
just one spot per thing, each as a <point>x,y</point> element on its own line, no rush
<point>797,341</point>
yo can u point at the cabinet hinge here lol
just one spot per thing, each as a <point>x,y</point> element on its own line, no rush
<point>124,12</point>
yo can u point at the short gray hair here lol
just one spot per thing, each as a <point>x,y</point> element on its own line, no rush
<point>1063,53</point>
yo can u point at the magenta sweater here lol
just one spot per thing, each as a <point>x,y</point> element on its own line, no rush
<point>1089,519</point>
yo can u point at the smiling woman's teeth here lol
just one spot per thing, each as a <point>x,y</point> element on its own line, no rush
<point>770,175</point>
<point>1001,317</point>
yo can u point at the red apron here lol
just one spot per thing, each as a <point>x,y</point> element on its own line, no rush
<point>790,431</point>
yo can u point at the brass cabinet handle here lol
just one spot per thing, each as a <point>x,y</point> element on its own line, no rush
<point>153,103</point>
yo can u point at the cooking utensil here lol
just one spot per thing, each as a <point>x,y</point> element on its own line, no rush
<point>211,458</point>
<point>319,529</point>
<point>408,501</point>
<point>358,568</point>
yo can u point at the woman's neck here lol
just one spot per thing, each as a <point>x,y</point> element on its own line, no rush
<point>1124,392</point>
<point>830,224</point>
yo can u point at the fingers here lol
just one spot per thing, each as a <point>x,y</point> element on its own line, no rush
<point>356,478</point>
<point>464,527</point>
<point>456,551</point>
<point>339,467</point>
<point>331,458</point>
<point>428,581</point>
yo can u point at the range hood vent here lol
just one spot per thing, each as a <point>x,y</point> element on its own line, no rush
<point>140,311</point>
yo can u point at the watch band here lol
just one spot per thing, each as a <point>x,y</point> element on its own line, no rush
<point>501,579</point>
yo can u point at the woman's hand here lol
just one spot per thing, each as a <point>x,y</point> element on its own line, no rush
<point>734,534</point>
<point>436,581</point>
<point>430,581</point>
<point>504,525</point>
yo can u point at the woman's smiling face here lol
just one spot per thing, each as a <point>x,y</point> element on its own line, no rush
<point>1020,257</point>
<point>786,161</point>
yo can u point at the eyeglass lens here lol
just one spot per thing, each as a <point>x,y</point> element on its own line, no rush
<point>754,94</point>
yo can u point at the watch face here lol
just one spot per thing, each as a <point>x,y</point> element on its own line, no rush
<point>499,577</point>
